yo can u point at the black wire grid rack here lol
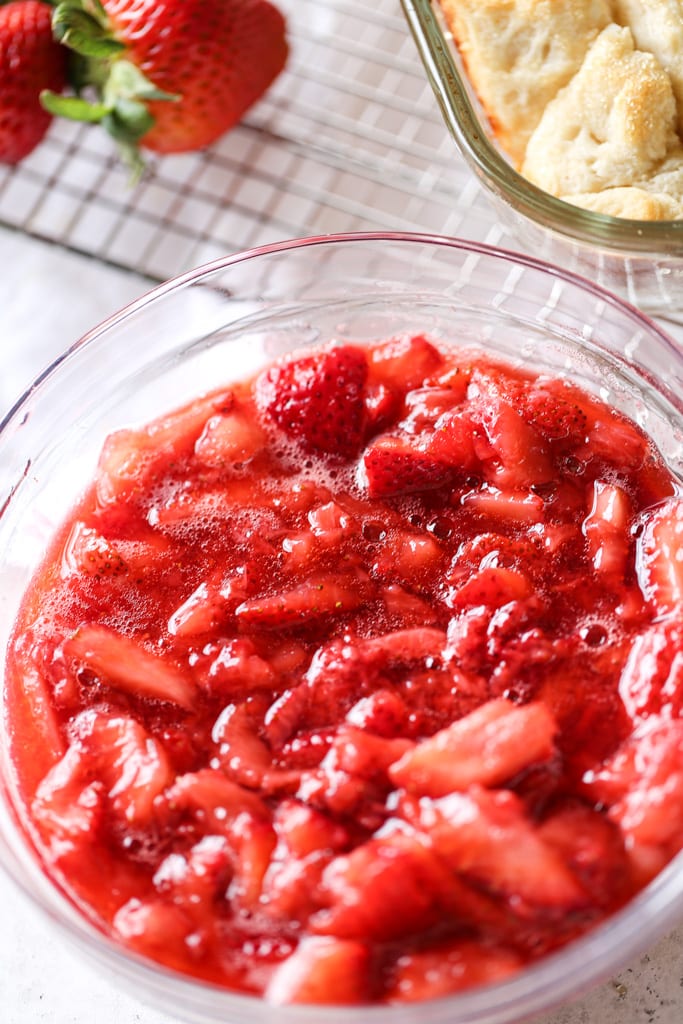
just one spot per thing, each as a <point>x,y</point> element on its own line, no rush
<point>349,138</point>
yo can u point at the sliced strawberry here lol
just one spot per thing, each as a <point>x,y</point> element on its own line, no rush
<point>228,440</point>
<point>236,667</point>
<point>317,400</point>
<point>515,455</point>
<point>394,467</point>
<point>593,848</point>
<point>491,587</point>
<point>404,363</point>
<point>642,784</point>
<point>652,678</point>
<point>361,890</point>
<point>361,753</point>
<point>131,457</point>
<point>214,799</point>
<point>243,755</point>
<point>447,967</point>
<point>88,552</point>
<point>323,970</point>
<point>125,664</point>
<point>488,838</point>
<point>557,411</point>
<point>512,506</point>
<point>155,928</point>
<point>487,747</point>
<point>607,528</point>
<point>453,442</point>
<point>658,557</point>
<point>384,713</point>
<point>198,878</point>
<point>425,407</point>
<point>318,597</point>
<point>131,767</point>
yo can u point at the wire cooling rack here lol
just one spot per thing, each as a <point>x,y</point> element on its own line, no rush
<point>349,138</point>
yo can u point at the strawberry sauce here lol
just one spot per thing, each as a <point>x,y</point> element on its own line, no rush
<point>361,681</point>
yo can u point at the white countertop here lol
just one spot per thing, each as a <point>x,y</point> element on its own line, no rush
<point>261,185</point>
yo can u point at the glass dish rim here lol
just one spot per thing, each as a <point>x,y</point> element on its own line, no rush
<point>616,234</point>
<point>587,958</point>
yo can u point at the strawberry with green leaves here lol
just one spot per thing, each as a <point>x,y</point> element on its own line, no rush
<point>169,76</point>
<point>30,61</point>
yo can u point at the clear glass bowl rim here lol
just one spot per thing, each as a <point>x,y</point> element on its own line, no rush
<point>562,975</point>
<point>619,234</point>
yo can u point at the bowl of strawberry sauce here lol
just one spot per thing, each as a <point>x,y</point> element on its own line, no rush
<point>341,590</point>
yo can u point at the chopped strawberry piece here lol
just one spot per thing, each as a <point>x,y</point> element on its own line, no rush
<point>658,560</point>
<point>125,664</point>
<point>404,363</point>
<point>643,786</point>
<point>88,552</point>
<point>519,456</point>
<point>358,752</point>
<point>319,596</point>
<point>228,440</point>
<point>487,837</point>
<point>323,970</point>
<point>236,667</point>
<point>317,400</point>
<point>214,800</point>
<point>131,765</point>
<point>394,467</point>
<point>154,927</point>
<point>487,747</point>
<point>448,967</point>
<point>492,587</point>
<point>557,411</point>
<point>199,877</point>
<point>452,442</point>
<point>606,528</point>
<point>652,678</point>
<point>244,755</point>
<point>131,457</point>
<point>513,506</point>
<point>361,890</point>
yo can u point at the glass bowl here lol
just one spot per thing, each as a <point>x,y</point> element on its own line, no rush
<point>640,260</point>
<point>227,319</point>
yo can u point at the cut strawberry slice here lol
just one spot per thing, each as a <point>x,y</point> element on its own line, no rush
<point>659,558</point>
<point>519,455</point>
<point>125,664</point>
<point>453,442</point>
<point>88,552</point>
<point>487,747</point>
<point>318,400</point>
<point>404,363</point>
<point>449,967</point>
<point>606,528</point>
<point>487,837</point>
<point>394,467</point>
<point>361,890</point>
<point>652,678</point>
<point>323,970</point>
<point>131,457</point>
<point>130,764</point>
<point>558,413</point>
<point>228,440</point>
<point>318,597</point>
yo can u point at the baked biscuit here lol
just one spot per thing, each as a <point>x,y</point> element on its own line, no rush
<point>657,26</point>
<point>519,53</point>
<point>630,201</point>
<point>613,125</point>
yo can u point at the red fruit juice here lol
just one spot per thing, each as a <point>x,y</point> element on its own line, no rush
<point>360,681</point>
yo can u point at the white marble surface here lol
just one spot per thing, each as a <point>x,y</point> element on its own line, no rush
<point>48,298</point>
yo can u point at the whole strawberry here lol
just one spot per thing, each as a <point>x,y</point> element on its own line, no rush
<point>30,61</point>
<point>170,76</point>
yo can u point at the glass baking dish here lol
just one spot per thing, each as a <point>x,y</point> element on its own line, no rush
<point>640,260</point>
